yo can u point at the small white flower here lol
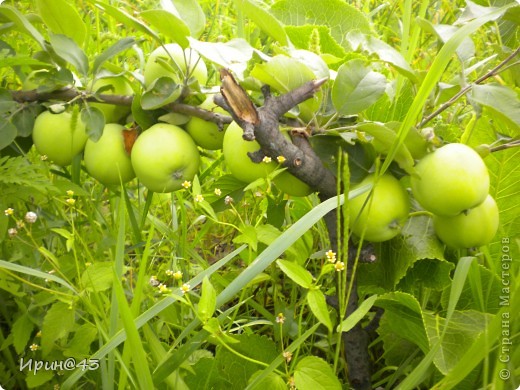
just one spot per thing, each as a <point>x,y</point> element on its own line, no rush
<point>31,217</point>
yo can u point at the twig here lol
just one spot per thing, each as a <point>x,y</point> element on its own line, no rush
<point>509,145</point>
<point>466,89</point>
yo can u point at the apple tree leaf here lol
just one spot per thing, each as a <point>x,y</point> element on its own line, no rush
<point>162,92</point>
<point>68,50</point>
<point>94,121</point>
<point>113,50</point>
<point>356,87</point>
<point>189,11</point>
<point>62,18</point>
<point>163,21</point>
<point>263,19</point>
<point>500,99</point>
<point>8,133</point>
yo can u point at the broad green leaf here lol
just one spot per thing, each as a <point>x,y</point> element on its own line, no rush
<point>67,49</point>
<point>163,22</point>
<point>247,236</point>
<point>356,87</point>
<point>339,16</point>
<point>22,24</point>
<point>21,332</point>
<point>317,39</point>
<point>462,330</point>
<point>500,99</point>
<point>318,305</point>
<point>97,277</point>
<point>57,323</point>
<point>233,55</point>
<point>263,19</point>
<point>351,321</point>
<point>62,18</point>
<point>118,47</point>
<point>314,373</point>
<point>162,92</point>
<point>24,120</point>
<point>416,242</point>
<point>79,346</point>
<point>427,273</point>
<point>404,318</point>
<point>94,121</point>
<point>206,306</point>
<point>8,132</point>
<point>296,273</point>
<point>383,138</point>
<point>189,11</point>
<point>37,380</point>
<point>7,104</point>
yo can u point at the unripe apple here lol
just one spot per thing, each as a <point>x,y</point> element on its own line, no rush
<point>58,136</point>
<point>206,134</point>
<point>107,160</point>
<point>185,61</point>
<point>473,228</point>
<point>164,156</point>
<point>387,213</point>
<point>450,180</point>
<point>118,86</point>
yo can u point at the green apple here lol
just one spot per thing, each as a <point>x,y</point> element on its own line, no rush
<point>387,213</point>
<point>450,180</point>
<point>206,134</point>
<point>118,86</point>
<point>473,228</point>
<point>291,185</point>
<point>235,150</point>
<point>107,160</point>
<point>164,156</point>
<point>58,136</point>
<point>160,64</point>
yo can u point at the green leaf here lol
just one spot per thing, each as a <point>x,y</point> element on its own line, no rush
<point>163,22</point>
<point>318,306</point>
<point>339,16</point>
<point>162,92</point>
<point>263,19</point>
<point>67,49</point>
<point>351,321</point>
<point>21,332</point>
<point>22,24</point>
<point>313,373</point>
<point>189,11</point>
<point>94,121</point>
<point>57,323</point>
<point>248,236</point>
<point>207,302</point>
<point>500,99</point>
<point>404,318</point>
<point>233,55</point>
<point>8,132</point>
<point>317,39</point>
<point>118,47</point>
<point>271,381</point>
<point>461,332</point>
<point>296,273</point>
<point>79,346</point>
<point>97,277</point>
<point>62,18</point>
<point>356,88</point>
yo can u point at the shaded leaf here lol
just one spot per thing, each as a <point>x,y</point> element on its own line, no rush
<point>296,273</point>
<point>22,24</point>
<point>97,277</point>
<point>189,11</point>
<point>118,47</point>
<point>57,323</point>
<point>162,92</point>
<point>351,321</point>
<point>500,99</point>
<point>67,49</point>
<point>8,133</point>
<point>21,332</point>
<point>94,121</point>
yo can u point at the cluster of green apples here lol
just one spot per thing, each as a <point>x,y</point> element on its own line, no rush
<point>164,156</point>
<point>453,184</point>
